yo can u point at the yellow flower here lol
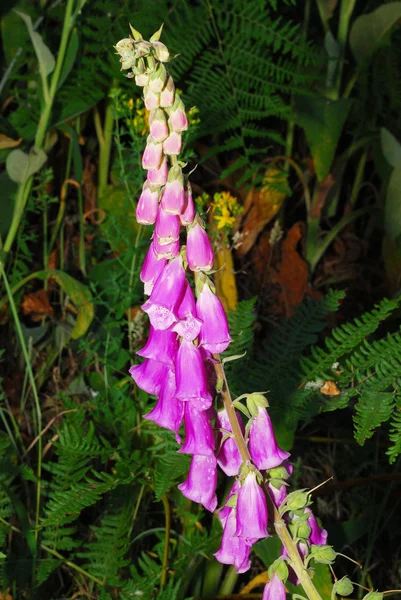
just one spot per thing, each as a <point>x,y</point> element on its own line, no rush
<point>130,103</point>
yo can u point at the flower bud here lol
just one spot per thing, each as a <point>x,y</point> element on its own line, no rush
<point>157,79</point>
<point>323,554</point>
<point>178,118</point>
<point>167,94</point>
<point>141,79</point>
<point>279,568</point>
<point>173,193</point>
<point>152,100</point>
<point>188,213</point>
<point>161,51</point>
<point>297,500</point>
<point>153,155</point>
<point>373,596</point>
<point>158,125</point>
<point>343,587</point>
<point>158,176</point>
<point>199,249</point>
<point>200,486</point>
<point>172,145</point>
<point>148,204</point>
<point>167,228</point>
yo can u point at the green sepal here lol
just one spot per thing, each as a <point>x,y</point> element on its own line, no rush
<point>156,36</point>
<point>279,568</point>
<point>231,358</point>
<point>259,400</point>
<point>252,407</point>
<point>239,406</point>
<point>295,501</point>
<point>323,554</point>
<point>343,587</point>
<point>232,501</point>
<point>135,34</point>
<point>373,596</point>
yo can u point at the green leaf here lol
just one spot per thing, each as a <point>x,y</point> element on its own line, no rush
<point>20,165</point>
<point>70,57</point>
<point>8,191</point>
<point>391,148</point>
<point>392,209</point>
<point>323,121</point>
<point>373,408</point>
<point>13,34</point>
<point>369,31</point>
<point>45,58</point>
<point>81,296</point>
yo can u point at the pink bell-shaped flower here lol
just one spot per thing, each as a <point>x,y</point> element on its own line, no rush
<point>167,228</point>
<point>161,346</point>
<point>148,204</point>
<point>199,438</point>
<point>153,155</point>
<point>188,213</point>
<point>158,125</point>
<point>166,296</point>
<point>233,550</point>
<point>151,269</point>
<point>149,376</point>
<point>191,376</point>
<point>262,444</point>
<point>277,495</point>
<point>199,249</point>
<point>159,176</point>
<point>251,511</point>
<point>173,193</point>
<point>168,251</point>
<point>214,334</point>
<point>173,144</point>
<point>225,512</point>
<point>178,118</point>
<point>168,411</point>
<point>274,590</point>
<point>188,326</point>
<point>152,99</point>
<point>157,79</point>
<point>228,457</point>
<point>167,94</point>
<point>200,486</point>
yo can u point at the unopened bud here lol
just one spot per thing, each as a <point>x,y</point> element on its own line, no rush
<point>142,79</point>
<point>296,500</point>
<point>343,587</point>
<point>161,51</point>
<point>323,554</point>
<point>158,125</point>
<point>373,596</point>
<point>167,94</point>
<point>178,118</point>
<point>259,400</point>
<point>157,80</point>
<point>279,473</point>
<point>279,568</point>
<point>151,99</point>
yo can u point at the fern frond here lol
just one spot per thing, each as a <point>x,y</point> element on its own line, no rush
<point>395,432</point>
<point>372,409</point>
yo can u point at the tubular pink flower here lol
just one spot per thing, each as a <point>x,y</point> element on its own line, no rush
<point>152,156</point>
<point>188,326</point>
<point>214,335</point>
<point>149,376</point>
<point>167,94</point>
<point>166,295</point>
<point>233,550</point>
<point>167,228</point>
<point>157,79</point>
<point>191,376</point>
<point>151,269</point>
<point>278,495</point>
<point>199,249</point>
<point>158,125</point>
<point>159,176</point>
<point>199,438</point>
<point>274,590</point>
<point>168,251</point>
<point>148,203</point>
<point>200,486</point>
<point>318,535</point>
<point>188,214</point>
<point>173,144</point>
<point>262,445</point>
<point>152,100</point>
<point>228,456</point>
<point>168,411</point>
<point>161,346</point>
<point>178,118</point>
<point>141,79</point>
<point>224,512</point>
<point>251,511</point>
<point>173,193</point>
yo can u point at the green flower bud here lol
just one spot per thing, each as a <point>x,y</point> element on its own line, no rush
<point>252,406</point>
<point>296,500</point>
<point>323,554</point>
<point>279,568</point>
<point>343,587</point>
<point>304,530</point>
<point>373,596</point>
<point>259,400</point>
<point>279,473</point>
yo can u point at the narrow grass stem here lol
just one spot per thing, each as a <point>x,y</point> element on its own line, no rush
<point>167,518</point>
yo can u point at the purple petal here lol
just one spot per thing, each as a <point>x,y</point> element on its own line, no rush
<point>214,335</point>
<point>263,447</point>
<point>200,486</point>
<point>251,511</point>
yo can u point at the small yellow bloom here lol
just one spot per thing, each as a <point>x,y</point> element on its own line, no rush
<point>130,103</point>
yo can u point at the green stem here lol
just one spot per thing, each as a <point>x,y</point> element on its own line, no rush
<point>167,516</point>
<point>20,202</point>
<point>229,581</point>
<point>358,178</point>
<point>347,8</point>
<point>105,150</point>
<point>82,261</point>
<point>34,392</point>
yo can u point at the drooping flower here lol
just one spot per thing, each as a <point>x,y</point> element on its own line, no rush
<point>168,411</point>
<point>151,269</point>
<point>167,228</point>
<point>168,251</point>
<point>148,203</point>
<point>188,325</point>
<point>228,457</point>
<point>149,376</point>
<point>178,118</point>
<point>318,536</point>
<point>167,94</point>
<point>166,295</point>
<point>200,486</point>
<point>152,100</point>
<point>188,214</point>
<point>274,590</point>
<point>158,125</point>
<point>191,376</point>
<point>199,249</point>
<point>263,447</point>
<point>199,438</point>
<point>172,145</point>
<point>162,345</point>
<point>214,335</point>
<point>251,511</point>
<point>159,176</point>
<point>153,155</point>
<point>173,193</point>
<point>233,550</point>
